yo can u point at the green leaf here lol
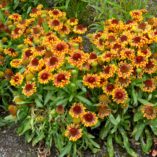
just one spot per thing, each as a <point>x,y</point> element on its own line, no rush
<point>84,100</point>
<point>138,130</point>
<point>110,148</point>
<point>38,103</point>
<point>138,116</point>
<point>66,150</point>
<point>143,101</point>
<point>38,138</point>
<point>45,26</point>
<point>2,17</point>
<point>16,3</point>
<point>105,130</point>
<point>48,97</point>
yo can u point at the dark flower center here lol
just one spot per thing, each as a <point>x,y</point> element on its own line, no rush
<point>55,23</point>
<point>76,56</point>
<point>60,47</point>
<point>148,83</point>
<point>91,79</point>
<point>28,87</point>
<point>73,131</point>
<point>61,77</point>
<point>88,117</point>
<point>53,60</point>
<point>44,76</point>
<point>35,62</point>
<point>77,109</point>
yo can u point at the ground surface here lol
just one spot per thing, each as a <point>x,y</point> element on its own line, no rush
<point>13,146</point>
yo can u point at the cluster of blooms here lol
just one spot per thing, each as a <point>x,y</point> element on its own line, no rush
<point>50,51</point>
<point>124,55</point>
<point>80,115</point>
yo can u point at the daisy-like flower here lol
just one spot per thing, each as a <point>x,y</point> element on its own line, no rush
<point>54,62</point>
<point>124,69</point>
<point>124,82</point>
<point>44,76</point>
<point>136,15</point>
<point>72,21</point>
<point>78,58</point>
<point>102,81</point>
<point>55,24</point>
<point>15,17</point>
<point>103,98</point>
<point>64,30</point>
<point>89,119</point>
<point>55,13</point>
<point>61,79</point>
<point>138,41</point>
<point>39,51</point>
<point>29,41</point>
<point>27,54</point>
<point>108,88</point>
<point>76,110</point>
<point>16,79</point>
<point>149,111</point>
<point>91,80</point>
<point>107,56</point>
<point>73,132</point>
<point>139,61</point>
<point>79,29</point>
<point>10,52</point>
<point>127,53</point>
<point>151,66</point>
<point>35,64</point>
<point>15,63</point>
<point>144,52</point>
<point>109,71</point>
<point>60,109</point>
<point>149,85</point>
<point>92,57</point>
<point>49,39</point>
<point>60,48</point>
<point>17,32</point>
<point>119,95</point>
<point>29,89</point>
<point>103,110</point>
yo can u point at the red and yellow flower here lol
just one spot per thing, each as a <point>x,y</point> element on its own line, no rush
<point>16,79</point>
<point>44,76</point>
<point>149,85</point>
<point>73,132</point>
<point>61,79</point>
<point>29,89</point>
<point>89,119</point>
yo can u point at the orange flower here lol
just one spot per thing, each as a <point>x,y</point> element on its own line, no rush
<point>124,82</point>
<point>60,48</point>
<point>27,54</point>
<point>76,110</point>
<point>73,132</point>
<point>149,111</point>
<point>55,24</point>
<point>79,29</point>
<point>124,69</point>
<point>151,66</point>
<point>108,88</point>
<point>17,32</point>
<point>136,15</point>
<point>55,13</point>
<point>139,61</point>
<point>10,52</point>
<point>15,63</point>
<point>64,30</point>
<point>127,53</point>
<point>109,71</point>
<point>149,85</point>
<point>89,119</point>
<point>60,109</point>
<point>138,41</point>
<point>29,89</point>
<point>91,80</point>
<point>103,98</point>
<point>44,77</point>
<point>35,64</point>
<point>16,79</point>
<point>119,95</point>
<point>78,58</point>
<point>15,17</point>
<point>72,21</point>
<point>144,52</point>
<point>103,111</point>
<point>54,62</point>
<point>61,79</point>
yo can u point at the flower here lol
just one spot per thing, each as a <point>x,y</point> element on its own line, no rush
<point>103,98</point>
<point>10,52</point>
<point>149,85</point>
<point>149,111</point>
<point>139,61</point>
<point>16,79</point>
<point>61,79</point>
<point>44,76</point>
<point>73,132</point>
<point>136,15</point>
<point>35,64</point>
<point>15,63</point>
<point>55,24</point>
<point>77,58</point>
<point>29,89</point>
<point>60,48</point>
<point>72,21</point>
<point>103,110</point>
<point>91,80</point>
<point>124,69</point>
<point>151,66</point>
<point>53,62</point>
<point>76,110</point>
<point>60,109</point>
<point>108,88</point>
<point>79,29</point>
<point>89,119</point>
<point>124,82</point>
<point>119,95</point>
